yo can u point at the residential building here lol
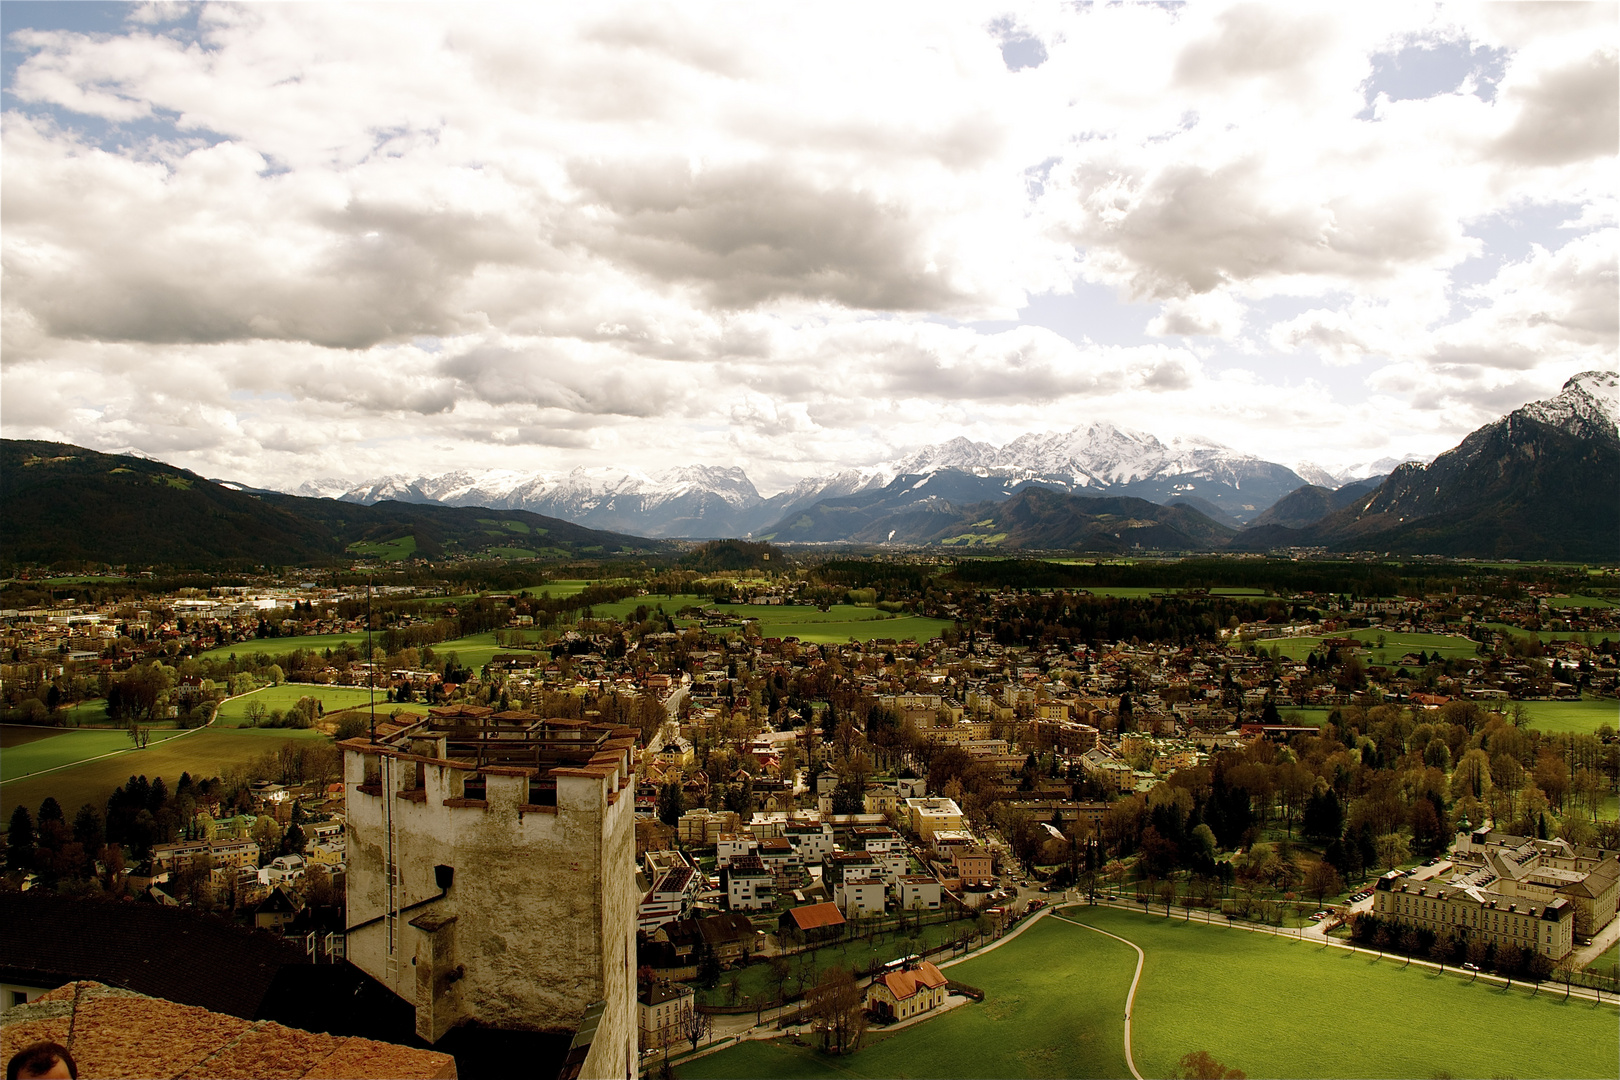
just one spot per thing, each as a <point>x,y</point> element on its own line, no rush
<point>859,896</point>
<point>919,892</point>
<point>665,1007</point>
<point>747,884</point>
<point>930,816</point>
<point>910,991</point>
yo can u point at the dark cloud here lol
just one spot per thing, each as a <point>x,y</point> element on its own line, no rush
<point>1569,114</point>
<point>745,235</point>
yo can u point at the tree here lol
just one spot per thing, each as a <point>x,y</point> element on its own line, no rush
<point>836,1004</point>
<point>670,805</point>
<point>20,840</point>
<point>695,1027</point>
<point>1393,850</point>
<point>1478,954</point>
<point>1323,881</point>
<point>1440,951</point>
<point>1199,1065</point>
<point>1409,945</point>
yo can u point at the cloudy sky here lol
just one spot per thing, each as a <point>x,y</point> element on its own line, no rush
<point>272,242</point>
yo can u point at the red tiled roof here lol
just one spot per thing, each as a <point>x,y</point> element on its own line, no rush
<point>903,984</point>
<point>117,1033</point>
<point>816,916</point>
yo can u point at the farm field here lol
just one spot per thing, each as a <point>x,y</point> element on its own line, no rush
<point>281,646</point>
<point>207,751</point>
<point>233,713</point>
<point>1578,601</point>
<point>1328,1013</point>
<point>64,747</point>
<point>22,734</point>
<point>1547,637</point>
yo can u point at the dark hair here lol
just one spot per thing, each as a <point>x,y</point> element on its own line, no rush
<point>39,1059</point>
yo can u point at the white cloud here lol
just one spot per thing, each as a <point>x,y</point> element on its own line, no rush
<point>332,239</point>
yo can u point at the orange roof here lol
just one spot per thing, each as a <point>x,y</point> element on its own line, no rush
<point>816,916</point>
<point>903,984</point>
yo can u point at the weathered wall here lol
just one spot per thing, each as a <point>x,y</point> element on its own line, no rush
<point>544,901</point>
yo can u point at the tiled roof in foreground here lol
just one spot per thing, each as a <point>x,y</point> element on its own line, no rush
<point>116,1034</point>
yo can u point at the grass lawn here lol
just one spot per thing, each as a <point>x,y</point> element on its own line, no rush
<point>1387,1020</point>
<point>472,651</point>
<point>335,698</point>
<point>67,747</point>
<point>1040,1019</point>
<point>93,711</point>
<point>1270,1007</point>
<point>205,752</point>
<point>281,646</point>
<point>1583,716</point>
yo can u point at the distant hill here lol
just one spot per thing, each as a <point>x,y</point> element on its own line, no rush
<point>63,503</point>
<point>1311,503</point>
<point>1040,519</point>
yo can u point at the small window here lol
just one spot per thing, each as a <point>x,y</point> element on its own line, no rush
<point>19,997</point>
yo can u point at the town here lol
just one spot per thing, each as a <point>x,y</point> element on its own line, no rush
<point>794,832</point>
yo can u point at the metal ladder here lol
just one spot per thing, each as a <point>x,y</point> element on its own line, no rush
<point>391,875</point>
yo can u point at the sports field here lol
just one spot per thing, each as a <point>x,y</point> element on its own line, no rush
<point>205,751</point>
<point>335,698</point>
<point>281,646</point>
<point>1260,1003</point>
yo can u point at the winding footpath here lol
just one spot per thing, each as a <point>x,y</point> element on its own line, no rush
<point>1130,997</point>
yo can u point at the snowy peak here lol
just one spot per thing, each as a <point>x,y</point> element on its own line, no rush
<point>1588,406</point>
<point>323,487</point>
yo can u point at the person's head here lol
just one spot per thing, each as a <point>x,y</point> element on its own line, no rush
<point>40,1061</point>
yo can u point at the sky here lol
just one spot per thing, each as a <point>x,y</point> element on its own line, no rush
<point>275,242</point>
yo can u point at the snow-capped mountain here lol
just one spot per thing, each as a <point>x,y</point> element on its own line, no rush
<point>1587,406</point>
<point>701,500</point>
<point>1098,458</point>
<point>1519,487</point>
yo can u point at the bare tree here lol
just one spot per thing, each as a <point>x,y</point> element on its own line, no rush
<point>695,1027</point>
<point>836,1004</point>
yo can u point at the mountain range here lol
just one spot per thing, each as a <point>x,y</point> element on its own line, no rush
<point>1538,483</point>
<point>707,501</point>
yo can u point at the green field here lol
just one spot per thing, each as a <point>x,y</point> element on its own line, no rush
<point>204,751</point>
<point>837,624</point>
<point>335,698</point>
<point>67,747</point>
<point>1040,1019</point>
<point>1395,645</point>
<point>1585,716</point>
<point>1579,601</point>
<point>1260,1003</point>
<point>386,550</point>
<point>282,646</point>
<point>1549,637</point>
